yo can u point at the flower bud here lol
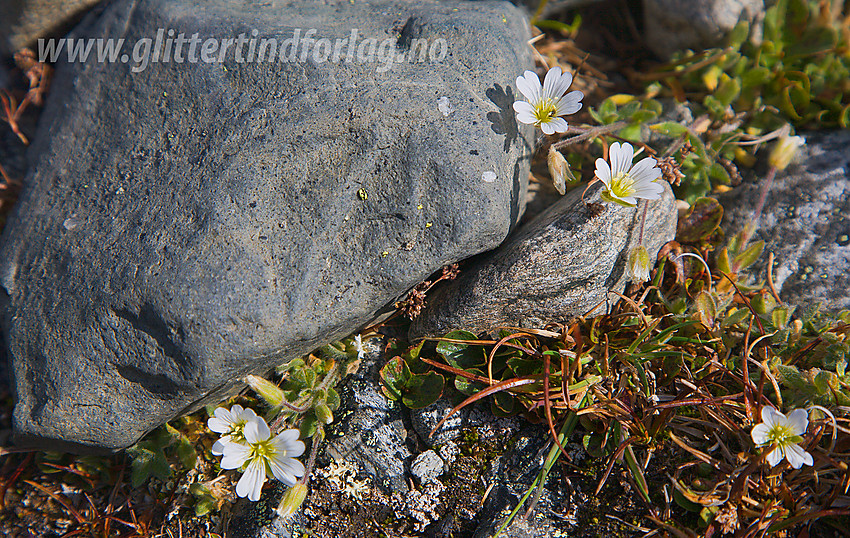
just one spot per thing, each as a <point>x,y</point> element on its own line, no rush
<point>784,150</point>
<point>270,392</point>
<point>639,264</point>
<point>324,414</point>
<point>558,169</point>
<point>292,500</point>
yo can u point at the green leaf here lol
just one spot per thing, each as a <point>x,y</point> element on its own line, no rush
<point>332,399</point>
<point>728,90</point>
<point>309,425</point>
<point>148,461</point>
<point>411,357</point>
<point>423,389</point>
<point>738,316</point>
<point>706,308</point>
<point>719,173</point>
<point>630,132</point>
<point>394,376</point>
<point>750,255</point>
<point>186,453</point>
<point>503,404</point>
<point>739,34</point>
<point>790,376</point>
<point>643,116</point>
<point>669,128</point>
<point>461,355</point>
<point>467,387</point>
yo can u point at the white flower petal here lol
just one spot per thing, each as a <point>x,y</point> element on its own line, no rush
<point>621,157</point>
<point>603,171</point>
<point>234,455</point>
<point>648,191</point>
<point>561,86</point>
<point>287,470</point>
<point>287,443</point>
<point>559,125</point>
<point>218,446</point>
<point>772,417</point>
<point>251,483</point>
<point>547,127</point>
<point>556,83</point>
<point>775,456</point>
<point>798,421</point>
<point>798,457</point>
<point>570,103</point>
<point>645,170</point>
<point>759,434</point>
<point>218,425</point>
<point>525,112</point>
<point>257,431</point>
<point>529,86</point>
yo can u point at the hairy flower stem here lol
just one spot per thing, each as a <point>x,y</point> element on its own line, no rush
<point>642,221</point>
<point>750,229</point>
<point>318,437</point>
<point>588,133</point>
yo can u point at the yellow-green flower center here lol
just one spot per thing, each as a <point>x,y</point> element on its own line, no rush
<point>781,435</point>
<point>545,111</point>
<point>622,185</point>
<point>263,449</point>
<point>237,431</point>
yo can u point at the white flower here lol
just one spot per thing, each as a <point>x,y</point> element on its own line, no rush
<point>547,103</point>
<point>262,454</point>
<point>358,345</point>
<point>625,183</point>
<point>230,424</point>
<point>783,434</point>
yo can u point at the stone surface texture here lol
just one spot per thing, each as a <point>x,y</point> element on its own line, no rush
<point>186,224</point>
<point>672,25</point>
<point>561,265</point>
<point>22,22</point>
<point>805,223</point>
<point>369,428</point>
<point>426,467</point>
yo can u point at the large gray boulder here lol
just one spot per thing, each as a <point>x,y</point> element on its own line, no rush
<point>561,265</point>
<point>805,223</point>
<point>673,25</point>
<point>185,224</point>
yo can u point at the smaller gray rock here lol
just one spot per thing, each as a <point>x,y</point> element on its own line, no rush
<point>427,467</point>
<point>449,452</point>
<point>561,265</point>
<point>22,22</point>
<point>805,223</point>
<point>672,25</point>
